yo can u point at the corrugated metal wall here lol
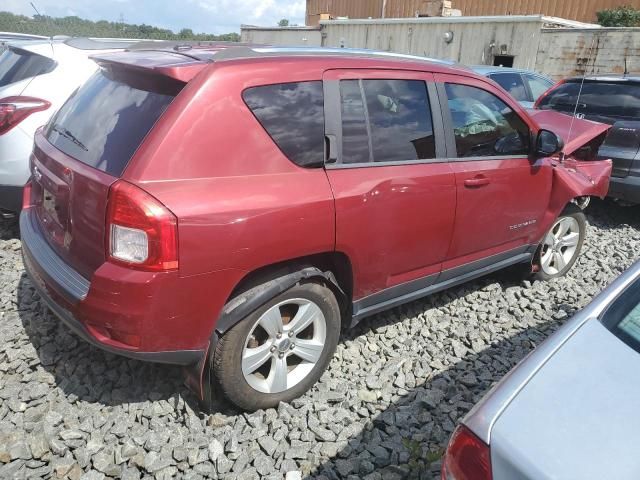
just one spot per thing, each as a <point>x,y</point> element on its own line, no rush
<point>343,8</point>
<point>582,10</point>
<point>471,45</point>
<point>285,36</point>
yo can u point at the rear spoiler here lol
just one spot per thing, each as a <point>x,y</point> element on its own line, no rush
<point>176,65</point>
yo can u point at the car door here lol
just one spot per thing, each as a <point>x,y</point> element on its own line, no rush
<point>501,193</point>
<point>394,190</point>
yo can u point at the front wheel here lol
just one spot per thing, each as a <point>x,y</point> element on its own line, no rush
<point>561,245</point>
<point>278,352</point>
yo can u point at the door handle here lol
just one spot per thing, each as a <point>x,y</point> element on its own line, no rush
<point>478,181</point>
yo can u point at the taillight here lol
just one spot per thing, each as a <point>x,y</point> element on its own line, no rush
<point>26,195</point>
<point>141,232</point>
<point>15,109</point>
<point>467,457</point>
<point>545,94</point>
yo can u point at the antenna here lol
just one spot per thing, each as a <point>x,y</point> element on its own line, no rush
<point>34,7</point>
<point>584,74</point>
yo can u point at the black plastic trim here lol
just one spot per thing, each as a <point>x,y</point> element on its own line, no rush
<point>70,284</point>
<point>175,357</point>
<point>11,198</point>
<point>249,301</point>
<point>407,292</point>
<point>626,188</point>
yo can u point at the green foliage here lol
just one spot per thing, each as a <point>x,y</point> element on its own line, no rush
<point>283,23</point>
<point>75,26</point>
<point>625,16</point>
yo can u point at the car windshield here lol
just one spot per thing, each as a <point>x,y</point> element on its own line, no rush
<point>623,316</point>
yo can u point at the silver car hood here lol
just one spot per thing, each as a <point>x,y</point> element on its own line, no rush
<point>577,417</point>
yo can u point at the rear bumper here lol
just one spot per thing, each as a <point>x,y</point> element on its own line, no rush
<point>66,293</point>
<point>11,198</point>
<point>625,188</point>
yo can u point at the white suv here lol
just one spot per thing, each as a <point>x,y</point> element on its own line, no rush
<point>36,77</point>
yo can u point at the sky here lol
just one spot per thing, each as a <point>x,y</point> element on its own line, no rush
<point>202,16</point>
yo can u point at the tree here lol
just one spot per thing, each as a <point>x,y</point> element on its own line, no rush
<point>625,16</point>
<point>283,23</point>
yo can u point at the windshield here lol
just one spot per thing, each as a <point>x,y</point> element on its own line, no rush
<point>106,120</point>
<point>17,64</point>
<point>623,316</point>
<point>619,100</point>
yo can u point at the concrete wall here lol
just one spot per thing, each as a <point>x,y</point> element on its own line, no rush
<point>567,52</point>
<point>473,37</point>
<point>291,36</point>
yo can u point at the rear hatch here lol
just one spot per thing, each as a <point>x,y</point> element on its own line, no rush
<point>90,141</point>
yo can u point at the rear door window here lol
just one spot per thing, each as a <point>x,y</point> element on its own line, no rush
<point>537,85</point>
<point>386,121</point>
<point>293,115</point>
<point>512,83</point>
<point>17,64</point>
<point>104,122</point>
<point>484,125</point>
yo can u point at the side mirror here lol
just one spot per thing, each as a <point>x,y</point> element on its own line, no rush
<point>548,143</point>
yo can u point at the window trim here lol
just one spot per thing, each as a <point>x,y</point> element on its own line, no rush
<point>333,118</point>
<point>452,149</point>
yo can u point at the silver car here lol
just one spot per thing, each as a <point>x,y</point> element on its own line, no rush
<point>570,409</point>
<point>523,85</point>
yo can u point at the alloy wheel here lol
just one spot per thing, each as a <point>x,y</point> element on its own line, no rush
<point>284,345</point>
<point>560,245</point>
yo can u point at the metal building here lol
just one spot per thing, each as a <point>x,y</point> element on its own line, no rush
<point>581,10</point>
<point>291,36</point>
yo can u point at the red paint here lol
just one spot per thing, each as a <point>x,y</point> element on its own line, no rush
<point>241,204</point>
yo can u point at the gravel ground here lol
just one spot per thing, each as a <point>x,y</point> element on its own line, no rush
<point>384,410</point>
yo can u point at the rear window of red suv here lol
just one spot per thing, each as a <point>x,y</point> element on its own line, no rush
<point>104,122</point>
<point>293,115</point>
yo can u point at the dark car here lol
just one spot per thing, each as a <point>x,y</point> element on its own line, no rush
<point>614,100</point>
<point>230,209</point>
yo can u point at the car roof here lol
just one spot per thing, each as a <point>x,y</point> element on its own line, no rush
<point>489,69</point>
<point>210,52</point>
<point>606,78</point>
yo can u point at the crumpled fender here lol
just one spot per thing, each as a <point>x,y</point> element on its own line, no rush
<point>573,178</point>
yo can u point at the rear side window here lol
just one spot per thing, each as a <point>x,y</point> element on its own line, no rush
<point>620,100</point>
<point>386,121</point>
<point>17,64</point>
<point>104,122</point>
<point>293,115</point>
<point>512,83</point>
<point>537,85</point>
<point>484,125</point>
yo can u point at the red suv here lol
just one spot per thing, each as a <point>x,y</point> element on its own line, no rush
<point>229,209</point>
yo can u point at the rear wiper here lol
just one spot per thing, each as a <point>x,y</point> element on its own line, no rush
<point>68,135</point>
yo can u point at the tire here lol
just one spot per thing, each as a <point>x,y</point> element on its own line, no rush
<point>268,340</point>
<point>561,245</point>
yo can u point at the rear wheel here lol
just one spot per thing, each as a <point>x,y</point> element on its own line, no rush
<point>278,352</point>
<point>561,245</point>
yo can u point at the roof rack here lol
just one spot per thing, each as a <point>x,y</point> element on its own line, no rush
<point>253,52</point>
